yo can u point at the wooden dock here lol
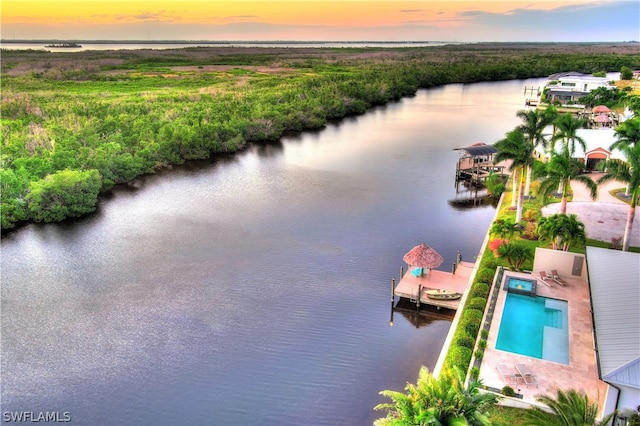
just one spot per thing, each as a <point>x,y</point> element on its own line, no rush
<point>409,285</point>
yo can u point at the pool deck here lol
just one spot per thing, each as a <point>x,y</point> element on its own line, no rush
<point>581,374</point>
<point>434,279</point>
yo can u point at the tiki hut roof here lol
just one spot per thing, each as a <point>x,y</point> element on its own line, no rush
<point>423,256</point>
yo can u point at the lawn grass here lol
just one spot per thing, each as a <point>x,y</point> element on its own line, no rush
<point>506,416</point>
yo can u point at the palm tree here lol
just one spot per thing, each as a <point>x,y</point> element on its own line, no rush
<point>567,131</point>
<point>628,133</point>
<point>517,149</point>
<point>516,254</point>
<point>533,124</point>
<point>504,228</point>
<point>569,408</point>
<point>562,230</point>
<point>628,172</point>
<point>444,400</point>
<point>559,172</point>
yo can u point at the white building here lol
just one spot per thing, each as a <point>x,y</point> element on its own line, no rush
<point>570,87</point>
<point>597,142</point>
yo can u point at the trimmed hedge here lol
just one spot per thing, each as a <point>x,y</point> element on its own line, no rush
<point>460,357</point>
<point>479,290</point>
<point>485,275</point>
<point>472,315</point>
<point>461,349</point>
<point>472,320</point>
<point>478,303</point>
<point>465,341</point>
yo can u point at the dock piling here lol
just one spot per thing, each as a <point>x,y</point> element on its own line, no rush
<point>393,290</point>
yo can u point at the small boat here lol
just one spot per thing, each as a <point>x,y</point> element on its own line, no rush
<point>440,294</point>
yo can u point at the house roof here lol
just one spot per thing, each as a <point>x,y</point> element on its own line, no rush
<point>567,74</point>
<point>478,149</point>
<point>613,279</point>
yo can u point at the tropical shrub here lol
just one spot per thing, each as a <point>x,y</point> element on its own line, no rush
<point>465,341</point>
<point>472,315</point>
<point>442,400</point>
<point>504,228</point>
<point>508,391</point>
<point>474,373</point>
<point>472,327</point>
<point>485,275</point>
<point>459,356</point>
<point>531,215</point>
<point>515,253</point>
<point>562,230</point>
<point>67,193</point>
<point>495,244</point>
<point>626,73</point>
<point>568,408</point>
<point>478,303</point>
<point>495,185</point>
<point>479,290</point>
<point>530,231</point>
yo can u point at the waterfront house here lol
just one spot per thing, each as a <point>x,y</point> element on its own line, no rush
<point>571,86</point>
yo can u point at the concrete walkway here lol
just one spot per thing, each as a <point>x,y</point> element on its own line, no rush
<point>604,218</point>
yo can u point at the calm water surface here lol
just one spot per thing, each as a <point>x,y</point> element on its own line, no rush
<point>8,44</point>
<point>252,290</point>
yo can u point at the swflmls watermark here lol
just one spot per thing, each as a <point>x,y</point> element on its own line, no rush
<point>36,416</point>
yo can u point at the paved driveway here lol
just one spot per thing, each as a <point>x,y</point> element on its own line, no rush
<point>604,218</point>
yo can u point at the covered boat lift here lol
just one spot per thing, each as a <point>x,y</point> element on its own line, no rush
<point>476,163</point>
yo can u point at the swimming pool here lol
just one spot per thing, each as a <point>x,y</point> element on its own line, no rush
<point>520,285</point>
<point>536,327</point>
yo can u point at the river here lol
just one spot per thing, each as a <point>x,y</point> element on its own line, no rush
<point>252,290</point>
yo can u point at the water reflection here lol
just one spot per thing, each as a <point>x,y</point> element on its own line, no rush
<point>419,316</point>
<point>251,289</point>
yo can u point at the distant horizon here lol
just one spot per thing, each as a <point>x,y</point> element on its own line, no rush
<point>468,21</point>
<point>190,41</point>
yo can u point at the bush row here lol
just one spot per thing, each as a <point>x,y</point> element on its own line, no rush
<point>461,350</point>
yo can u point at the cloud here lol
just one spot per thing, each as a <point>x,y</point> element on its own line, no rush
<point>599,21</point>
<point>601,14</point>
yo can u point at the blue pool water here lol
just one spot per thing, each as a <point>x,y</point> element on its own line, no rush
<point>535,327</point>
<point>521,285</point>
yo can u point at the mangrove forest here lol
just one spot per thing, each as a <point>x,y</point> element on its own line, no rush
<point>75,124</point>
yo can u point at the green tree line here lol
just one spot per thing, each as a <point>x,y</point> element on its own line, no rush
<point>73,126</point>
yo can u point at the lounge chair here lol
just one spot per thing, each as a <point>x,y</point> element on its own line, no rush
<point>508,375</point>
<point>556,278</point>
<point>526,374</point>
<point>545,278</point>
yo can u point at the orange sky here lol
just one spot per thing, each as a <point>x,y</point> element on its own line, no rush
<point>311,20</point>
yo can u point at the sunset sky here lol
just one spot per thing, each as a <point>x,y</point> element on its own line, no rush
<point>463,21</point>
